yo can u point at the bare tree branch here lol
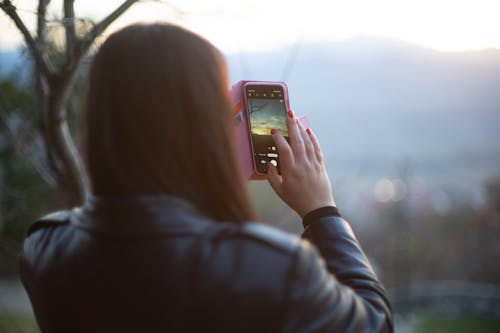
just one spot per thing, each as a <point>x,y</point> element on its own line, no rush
<point>99,28</point>
<point>69,28</point>
<point>42,84</point>
<point>52,86</point>
<point>11,11</point>
<point>41,30</point>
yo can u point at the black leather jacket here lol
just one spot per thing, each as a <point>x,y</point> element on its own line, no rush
<point>155,264</point>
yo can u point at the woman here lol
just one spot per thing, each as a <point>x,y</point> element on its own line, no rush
<point>165,242</point>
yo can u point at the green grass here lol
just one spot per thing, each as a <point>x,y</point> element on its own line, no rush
<point>15,323</point>
<point>468,324</point>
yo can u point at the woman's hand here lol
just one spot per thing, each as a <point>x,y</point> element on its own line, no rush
<point>303,184</point>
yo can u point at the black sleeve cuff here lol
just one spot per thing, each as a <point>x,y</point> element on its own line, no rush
<point>319,213</point>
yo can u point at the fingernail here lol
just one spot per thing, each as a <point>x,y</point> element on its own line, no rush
<point>290,114</point>
<point>308,130</point>
<point>273,131</point>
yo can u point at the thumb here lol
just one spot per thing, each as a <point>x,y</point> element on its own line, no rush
<point>274,178</point>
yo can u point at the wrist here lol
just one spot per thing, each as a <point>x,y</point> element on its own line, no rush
<point>318,213</point>
<point>307,209</point>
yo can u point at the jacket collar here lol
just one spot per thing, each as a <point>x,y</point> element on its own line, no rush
<point>139,215</point>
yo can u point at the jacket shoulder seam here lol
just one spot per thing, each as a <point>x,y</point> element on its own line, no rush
<point>263,234</point>
<point>50,220</point>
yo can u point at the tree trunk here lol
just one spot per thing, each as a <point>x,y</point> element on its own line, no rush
<point>52,85</point>
<point>61,149</point>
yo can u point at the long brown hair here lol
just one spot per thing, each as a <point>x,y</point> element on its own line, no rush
<point>158,121</point>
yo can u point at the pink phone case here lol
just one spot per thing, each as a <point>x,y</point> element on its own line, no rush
<point>240,118</point>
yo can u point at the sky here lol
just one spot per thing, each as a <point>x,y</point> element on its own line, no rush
<point>242,26</point>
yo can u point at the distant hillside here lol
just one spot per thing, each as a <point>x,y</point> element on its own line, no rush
<point>378,104</point>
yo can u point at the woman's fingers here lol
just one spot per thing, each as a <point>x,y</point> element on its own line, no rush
<point>302,187</point>
<point>294,135</point>
<point>308,145</point>
<point>315,142</point>
<point>284,150</point>
<point>274,179</point>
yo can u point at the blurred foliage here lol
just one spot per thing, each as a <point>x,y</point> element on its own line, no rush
<point>14,323</point>
<point>24,198</point>
<point>23,193</point>
<point>444,324</point>
<point>15,96</point>
<point>461,244</point>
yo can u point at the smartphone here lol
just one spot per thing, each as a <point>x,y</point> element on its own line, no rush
<point>267,105</point>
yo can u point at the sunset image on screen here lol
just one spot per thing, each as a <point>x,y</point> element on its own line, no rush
<point>266,114</point>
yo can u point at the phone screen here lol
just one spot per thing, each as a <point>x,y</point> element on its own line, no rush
<point>266,107</point>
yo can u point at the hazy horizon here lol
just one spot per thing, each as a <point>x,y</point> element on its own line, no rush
<point>386,110</point>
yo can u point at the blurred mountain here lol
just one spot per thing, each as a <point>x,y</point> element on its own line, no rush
<point>385,109</point>
<point>389,109</point>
